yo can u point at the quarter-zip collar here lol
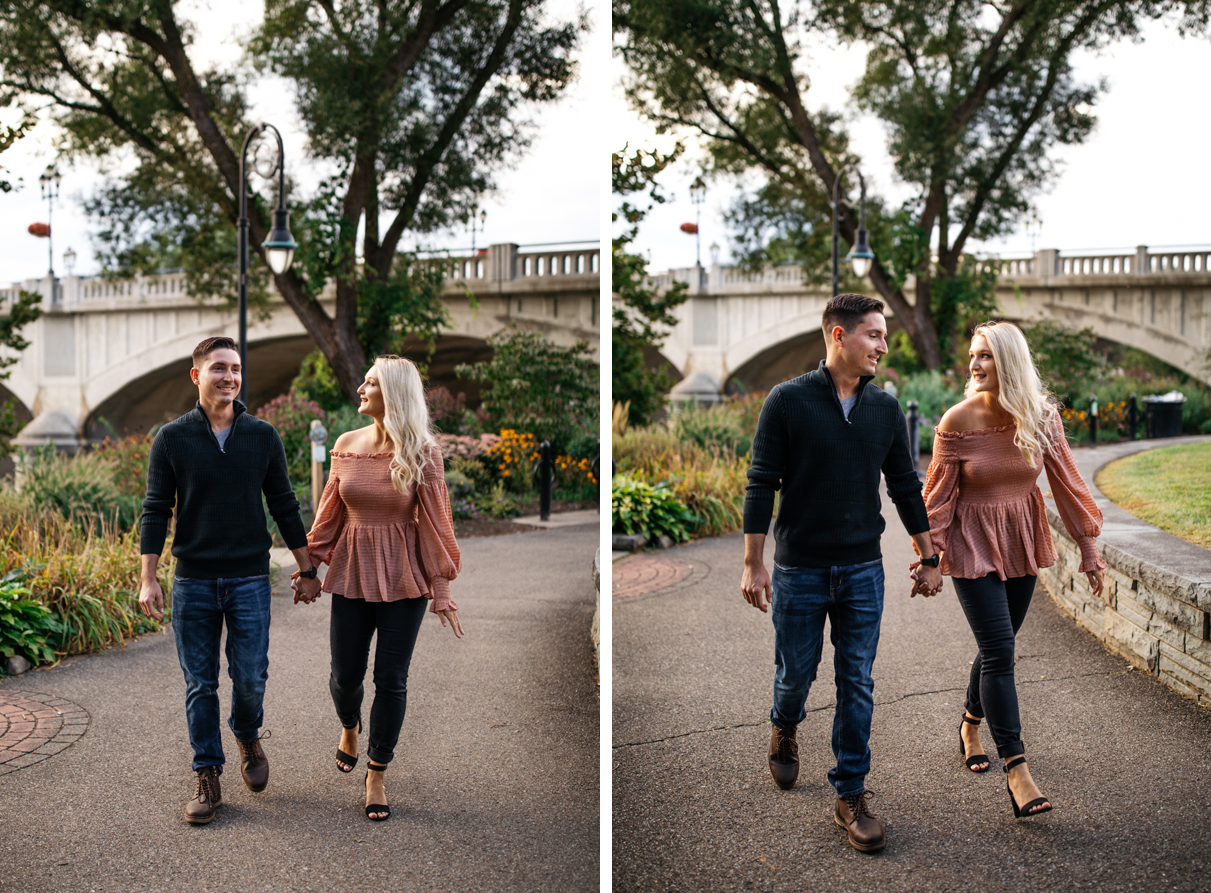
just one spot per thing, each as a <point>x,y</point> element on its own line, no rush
<point>204,419</point>
<point>832,390</point>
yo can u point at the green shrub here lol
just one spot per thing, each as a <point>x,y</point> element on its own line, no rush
<point>497,504</point>
<point>638,507</point>
<point>27,627</point>
<point>935,393</point>
<point>473,470</point>
<point>80,488</point>
<point>459,485</point>
<point>712,429</point>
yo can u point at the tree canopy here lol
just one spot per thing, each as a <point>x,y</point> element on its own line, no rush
<point>642,315</point>
<point>408,106</point>
<point>975,98</point>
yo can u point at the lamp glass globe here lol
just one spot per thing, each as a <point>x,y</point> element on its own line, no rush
<point>279,259</point>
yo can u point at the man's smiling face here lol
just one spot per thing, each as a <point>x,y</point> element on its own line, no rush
<point>218,380</point>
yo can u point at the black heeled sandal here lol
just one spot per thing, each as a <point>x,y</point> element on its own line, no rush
<point>975,759</point>
<point>1024,812</point>
<point>377,807</point>
<point>350,760</point>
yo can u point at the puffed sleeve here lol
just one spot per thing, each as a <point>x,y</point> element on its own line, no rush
<point>942,489</point>
<point>1080,514</point>
<point>329,522</point>
<point>439,555</point>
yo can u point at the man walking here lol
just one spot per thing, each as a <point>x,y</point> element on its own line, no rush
<point>822,439</point>
<point>213,464</point>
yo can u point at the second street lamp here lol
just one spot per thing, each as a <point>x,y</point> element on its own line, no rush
<point>697,196</point>
<point>49,181</point>
<point>860,256</point>
<point>279,247</point>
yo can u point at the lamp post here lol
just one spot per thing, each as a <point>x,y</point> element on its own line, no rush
<point>49,181</point>
<point>69,260</point>
<point>697,196</point>
<point>483,218</point>
<point>860,255</point>
<point>279,247</point>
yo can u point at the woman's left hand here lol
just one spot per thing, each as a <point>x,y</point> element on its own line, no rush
<point>452,617</point>
<point>1095,580</point>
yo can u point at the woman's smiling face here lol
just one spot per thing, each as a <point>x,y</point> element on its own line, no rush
<point>371,394</point>
<point>982,366</point>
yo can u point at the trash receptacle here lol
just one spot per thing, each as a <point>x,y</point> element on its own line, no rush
<point>1163,414</point>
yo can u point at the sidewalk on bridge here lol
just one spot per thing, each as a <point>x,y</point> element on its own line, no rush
<point>494,785</point>
<point>1125,760</point>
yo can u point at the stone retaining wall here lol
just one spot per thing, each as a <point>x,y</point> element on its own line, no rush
<point>1156,618</point>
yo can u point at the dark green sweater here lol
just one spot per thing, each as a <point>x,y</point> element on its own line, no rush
<point>830,514</point>
<point>220,530</point>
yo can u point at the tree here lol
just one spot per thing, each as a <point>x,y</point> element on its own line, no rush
<point>8,136</point>
<point>642,315</point>
<point>412,104</point>
<point>539,388</point>
<point>975,97</point>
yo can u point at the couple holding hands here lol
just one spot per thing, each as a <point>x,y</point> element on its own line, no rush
<point>823,439</point>
<point>383,527</point>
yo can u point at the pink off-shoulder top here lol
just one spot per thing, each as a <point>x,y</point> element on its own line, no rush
<point>380,545</point>
<point>986,513</point>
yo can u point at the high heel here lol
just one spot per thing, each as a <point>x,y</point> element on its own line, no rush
<point>1024,812</point>
<point>377,807</point>
<point>973,760</point>
<point>350,760</point>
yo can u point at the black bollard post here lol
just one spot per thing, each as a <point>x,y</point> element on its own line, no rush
<point>544,481</point>
<point>1093,419</point>
<point>914,433</point>
<point>1132,417</point>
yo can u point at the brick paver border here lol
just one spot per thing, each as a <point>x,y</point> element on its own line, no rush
<point>652,573</point>
<point>34,727</point>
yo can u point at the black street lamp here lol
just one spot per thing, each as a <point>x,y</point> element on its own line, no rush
<point>697,196</point>
<point>860,255</point>
<point>49,181</point>
<point>483,218</point>
<point>279,247</point>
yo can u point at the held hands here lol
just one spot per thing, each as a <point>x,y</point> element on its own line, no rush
<point>926,580</point>
<point>306,590</point>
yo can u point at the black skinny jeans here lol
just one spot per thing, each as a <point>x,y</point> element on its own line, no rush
<point>995,610</point>
<point>354,622</point>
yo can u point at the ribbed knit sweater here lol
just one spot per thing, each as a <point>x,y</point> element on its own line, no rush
<point>220,530</point>
<point>828,471</point>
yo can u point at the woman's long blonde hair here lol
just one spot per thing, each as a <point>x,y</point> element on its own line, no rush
<point>406,418</point>
<point>1022,393</point>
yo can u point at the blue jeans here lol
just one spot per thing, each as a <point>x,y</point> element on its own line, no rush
<point>851,597</point>
<point>199,609</point>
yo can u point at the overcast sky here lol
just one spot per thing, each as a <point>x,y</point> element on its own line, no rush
<point>1141,179</point>
<point>548,196</point>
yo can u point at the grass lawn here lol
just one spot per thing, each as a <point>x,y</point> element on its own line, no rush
<point>1168,487</point>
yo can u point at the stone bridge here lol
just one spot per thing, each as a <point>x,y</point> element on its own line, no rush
<point>757,329</point>
<point>112,357</point>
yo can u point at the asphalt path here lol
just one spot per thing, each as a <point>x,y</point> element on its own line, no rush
<point>494,786</point>
<point>1125,761</point>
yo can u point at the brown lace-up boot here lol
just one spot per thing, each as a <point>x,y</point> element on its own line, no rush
<point>206,797</point>
<point>783,757</point>
<point>865,831</point>
<point>254,765</point>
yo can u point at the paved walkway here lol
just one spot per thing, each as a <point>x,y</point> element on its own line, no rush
<point>1125,761</point>
<point>494,785</point>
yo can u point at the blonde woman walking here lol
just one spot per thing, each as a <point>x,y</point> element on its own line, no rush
<point>987,518</point>
<point>385,531</point>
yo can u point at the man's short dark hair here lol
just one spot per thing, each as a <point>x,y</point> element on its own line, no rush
<point>848,310</point>
<point>210,345</point>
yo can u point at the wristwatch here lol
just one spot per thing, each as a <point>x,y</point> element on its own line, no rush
<point>311,573</point>
<point>932,561</point>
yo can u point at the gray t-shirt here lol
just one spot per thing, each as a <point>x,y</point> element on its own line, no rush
<point>221,436</point>
<point>847,405</point>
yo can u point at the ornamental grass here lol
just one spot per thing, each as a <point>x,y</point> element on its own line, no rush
<point>87,576</point>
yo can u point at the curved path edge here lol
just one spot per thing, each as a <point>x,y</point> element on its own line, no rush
<point>1155,607</point>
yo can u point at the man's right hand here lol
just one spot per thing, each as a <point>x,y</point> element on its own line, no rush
<point>756,587</point>
<point>151,598</point>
